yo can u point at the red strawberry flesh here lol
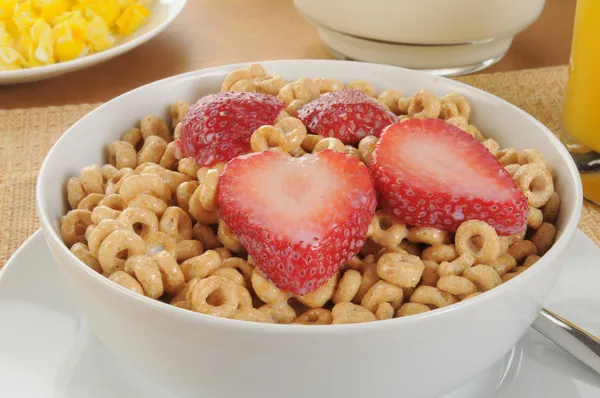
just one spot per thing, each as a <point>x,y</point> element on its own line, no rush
<point>218,127</point>
<point>299,218</point>
<point>347,114</point>
<point>431,173</point>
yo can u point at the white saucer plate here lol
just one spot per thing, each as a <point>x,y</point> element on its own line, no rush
<point>164,13</point>
<point>47,351</point>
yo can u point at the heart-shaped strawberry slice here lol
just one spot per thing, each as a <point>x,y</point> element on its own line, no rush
<point>300,218</point>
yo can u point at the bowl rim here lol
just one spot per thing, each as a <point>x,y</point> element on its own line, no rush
<point>200,319</point>
<point>96,58</point>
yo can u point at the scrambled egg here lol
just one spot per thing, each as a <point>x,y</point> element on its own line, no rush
<point>43,32</point>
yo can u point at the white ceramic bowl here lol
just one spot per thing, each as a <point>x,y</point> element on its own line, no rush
<point>164,13</point>
<point>445,37</point>
<point>420,356</point>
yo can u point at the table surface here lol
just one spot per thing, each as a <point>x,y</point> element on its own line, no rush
<point>216,32</point>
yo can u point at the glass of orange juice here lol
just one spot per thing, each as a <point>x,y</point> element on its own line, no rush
<point>581,117</point>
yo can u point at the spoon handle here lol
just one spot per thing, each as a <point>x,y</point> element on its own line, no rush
<point>581,344</point>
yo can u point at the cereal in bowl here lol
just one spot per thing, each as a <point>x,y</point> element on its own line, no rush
<point>311,203</point>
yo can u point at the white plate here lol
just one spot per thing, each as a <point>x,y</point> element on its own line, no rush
<point>47,351</point>
<point>163,13</point>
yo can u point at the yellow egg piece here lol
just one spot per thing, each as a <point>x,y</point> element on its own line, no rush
<point>6,39</point>
<point>51,9</point>
<point>98,34</point>
<point>10,59</point>
<point>41,37</point>
<point>68,41</point>
<point>108,10</point>
<point>131,20</point>
<point>6,9</point>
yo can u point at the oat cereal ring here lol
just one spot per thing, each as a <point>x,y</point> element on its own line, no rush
<point>491,243</point>
<point>536,183</point>
<point>266,290</point>
<point>403,105</point>
<point>90,201</point>
<point>184,193</point>
<point>141,220</point>
<point>172,178</point>
<point>127,281</point>
<point>228,293</point>
<point>389,99</point>
<point>91,179</point>
<point>345,313</point>
<point>492,146</point>
<point>424,105</point>
<point>294,132</point>
<point>430,273</point>
<point>521,249</point>
<point>201,266</point>
<point>241,265</point>
<point>249,73</point>
<point>355,263</point>
<point>456,285</point>
<point>298,93</point>
<point>348,286</point>
<point>512,169</point>
<point>224,253</point>
<point>157,242</point>
<point>328,85</point>
<point>280,313</point>
<point>543,238</point>
<point>475,133</point>
<point>371,248</point>
<point>122,154</point>
<point>448,109</point>
<point>315,316</point>
<point>369,278</point>
<point>206,235</point>
<point>297,152</point>
<point>168,159</point>
<point>551,208</point>
<point>113,201</point>
<point>483,276</point>
<point>411,309</point>
<point>529,156</point>
<point>154,126</point>
<point>530,260</point>
<point>322,295</point>
<point>228,239</point>
<point>108,171</point>
<point>172,276</point>
<point>188,166</point>
<point>251,315</point>
<point>82,252</point>
<point>433,296</point>
<point>104,213</point>
<point>386,230</point>
<point>198,212</point>
<point>117,247</point>
<point>459,122</point>
<point>231,274</point>
<point>136,185</point>
<point>428,235</point>
<point>270,84</point>
<point>403,270</point>
<point>384,311</point>
<point>380,292</point>
<point>133,136</point>
<point>73,226</point>
<point>364,87</point>
<point>456,267</point>
<point>117,180</point>
<point>96,235</point>
<point>462,104</point>
<point>184,292</point>
<point>149,202</point>
<point>152,151</point>
<point>330,143</point>
<point>439,253</point>
<point>503,264</point>
<point>535,218</point>
<point>267,138</point>
<point>177,112</point>
<point>187,249</point>
<point>366,147</point>
<point>309,143</point>
<point>146,272</point>
<point>508,156</point>
<point>245,298</point>
<point>176,223</point>
<point>75,192</point>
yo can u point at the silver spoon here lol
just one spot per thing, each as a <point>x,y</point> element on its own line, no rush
<point>581,344</point>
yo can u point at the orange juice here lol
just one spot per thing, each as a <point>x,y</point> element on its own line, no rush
<point>581,111</point>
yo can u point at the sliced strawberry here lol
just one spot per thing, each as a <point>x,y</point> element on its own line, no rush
<point>347,114</point>
<point>431,173</point>
<point>218,127</point>
<point>300,218</point>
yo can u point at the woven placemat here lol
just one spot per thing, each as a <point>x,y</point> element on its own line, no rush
<point>26,135</point>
